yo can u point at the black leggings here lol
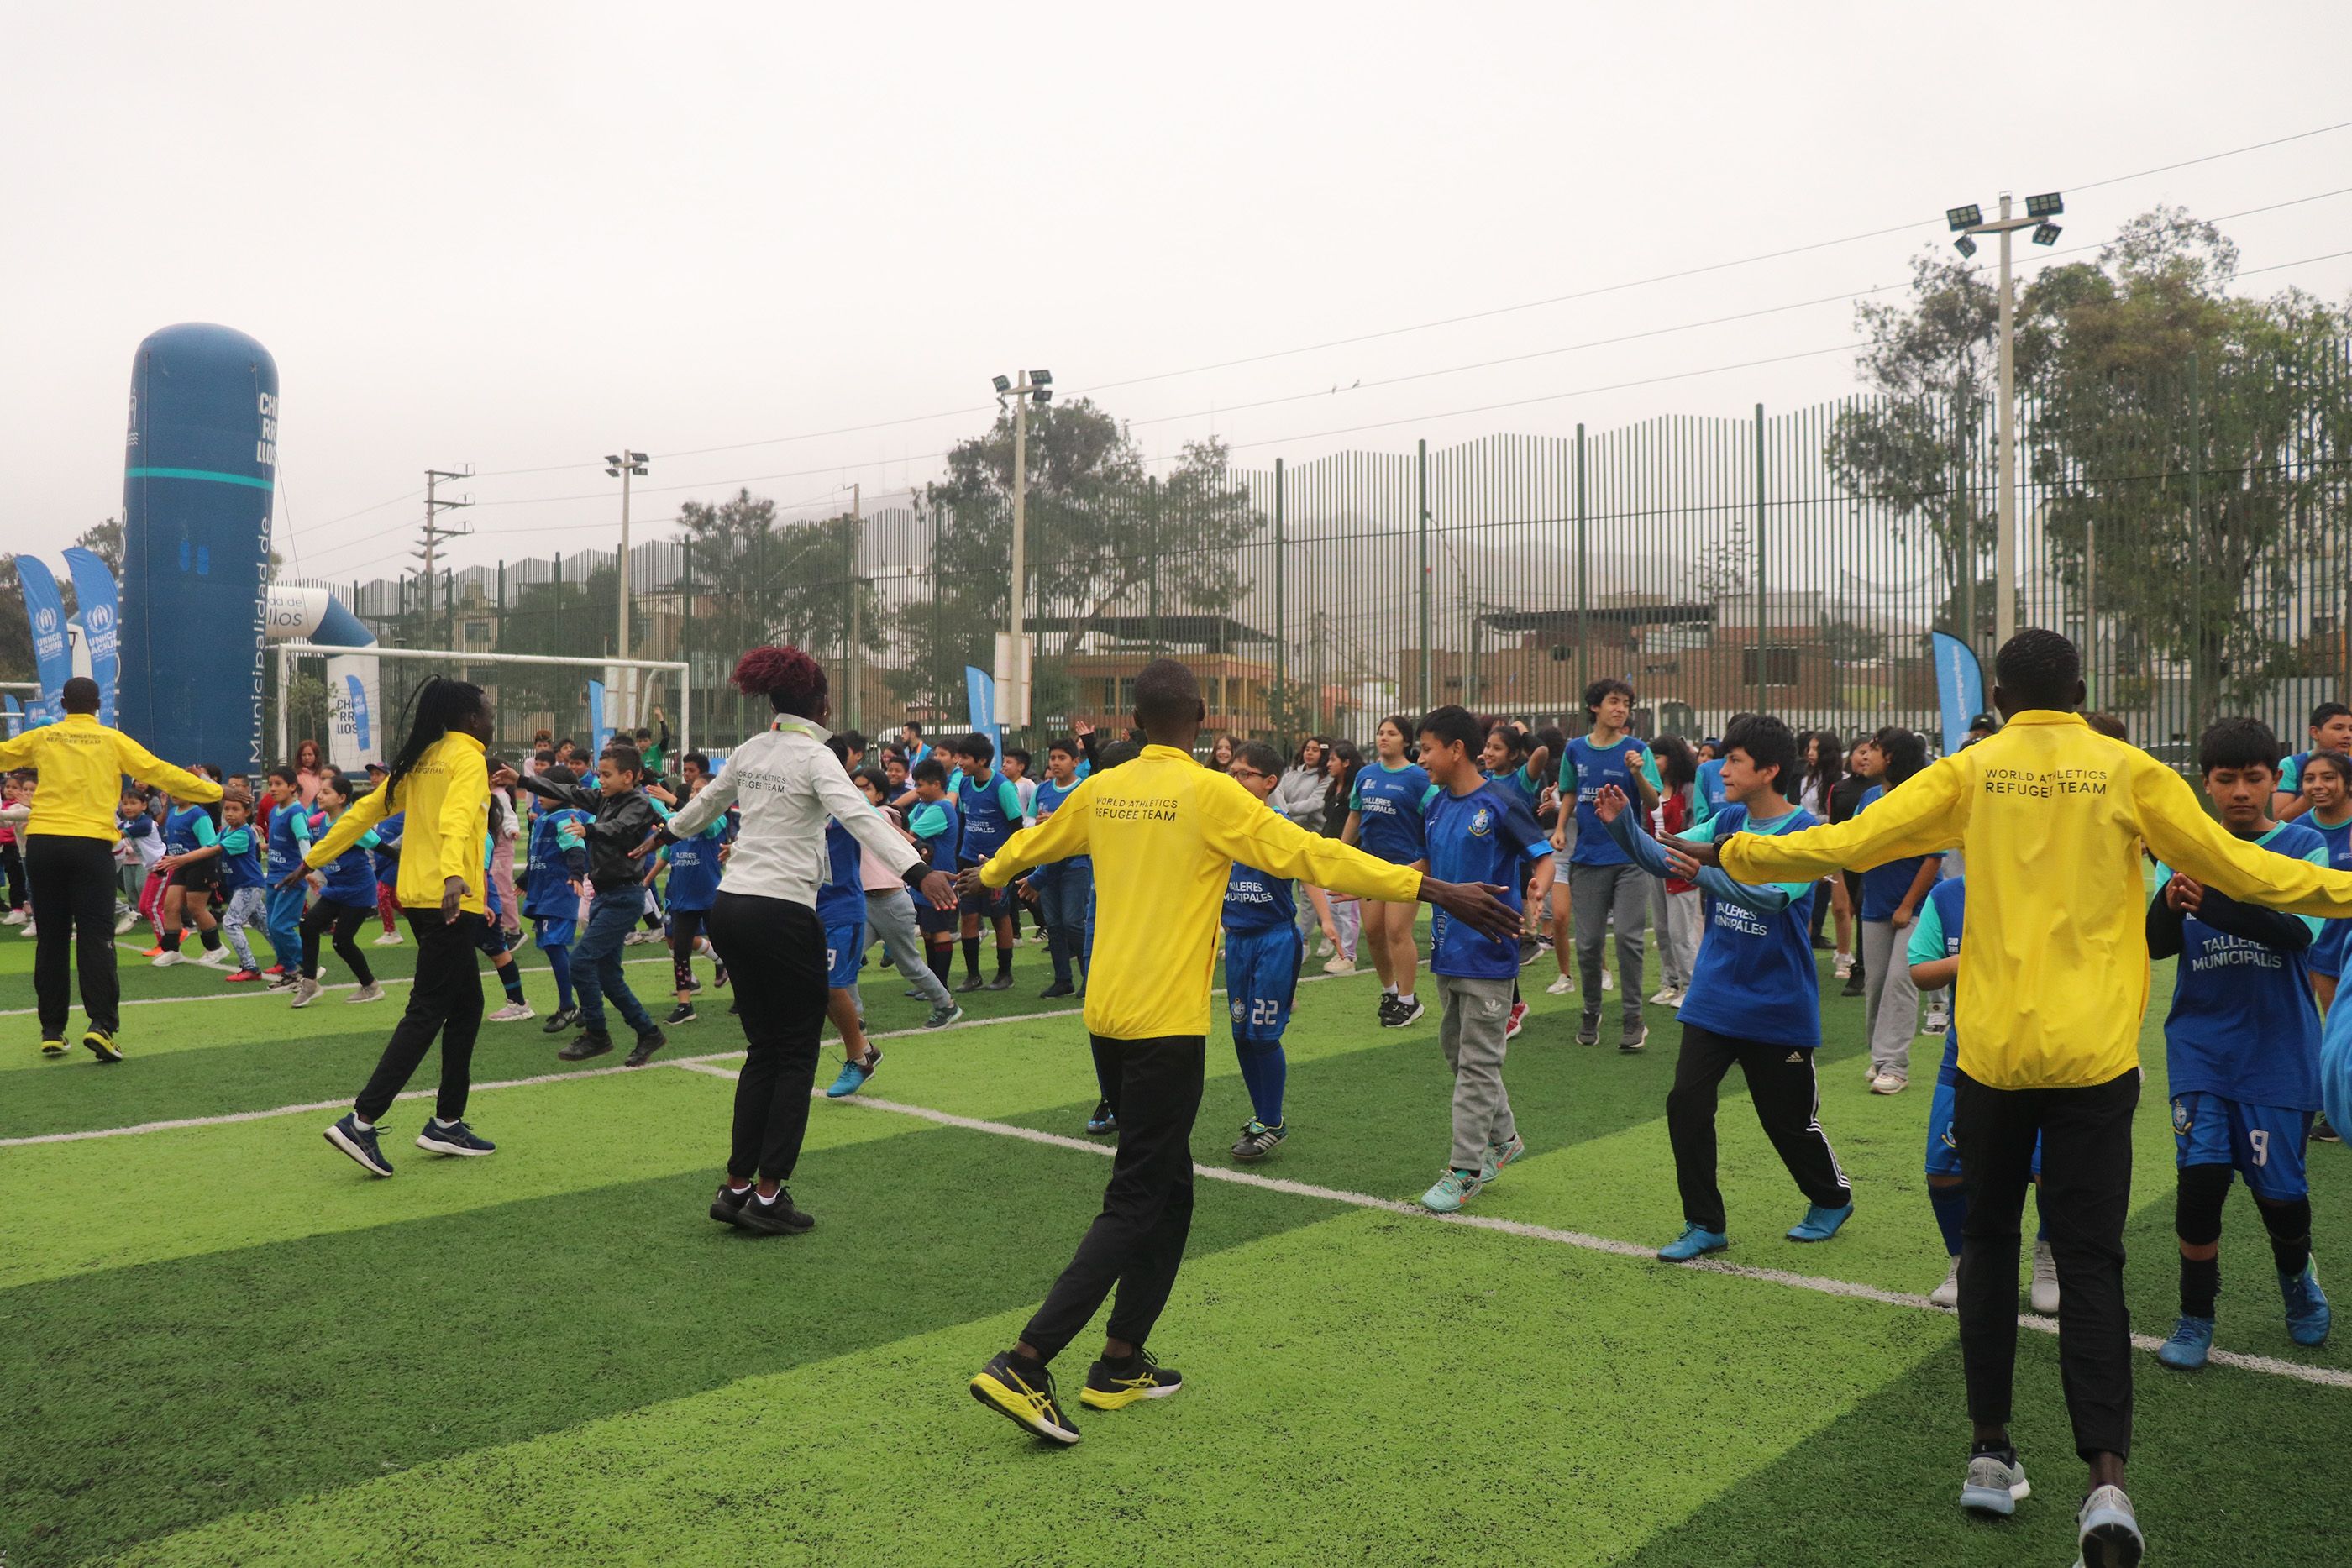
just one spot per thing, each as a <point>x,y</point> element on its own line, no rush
<point>685,924</point>
<point>774,952</point>
<point>344,920</point>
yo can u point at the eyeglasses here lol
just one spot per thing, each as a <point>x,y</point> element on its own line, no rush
<point>1248,773</point>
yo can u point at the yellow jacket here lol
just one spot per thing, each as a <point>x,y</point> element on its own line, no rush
<point>447,798</point>
<point>1164,832</point>
<point>82,763</point>
<point>2050,815</point>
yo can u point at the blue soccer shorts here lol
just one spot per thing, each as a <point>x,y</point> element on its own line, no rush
<point>548,932</point>
<point>1261,979</point>
<point>845,950</point>
<point>2264,1144</point>
<point>1943,1154</point>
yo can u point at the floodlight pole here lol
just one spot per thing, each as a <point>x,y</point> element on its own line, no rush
<point>2004,610</point>
<point>624,463</point>
<point>1019,669</point>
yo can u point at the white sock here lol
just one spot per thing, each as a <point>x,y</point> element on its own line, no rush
<point>362,1127</point>
<point>1388,990</point>
<point>763,1198</point>
<point>1404,998</point>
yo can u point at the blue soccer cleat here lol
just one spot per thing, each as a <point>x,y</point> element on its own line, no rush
<point>1819,1224</point>
<point>2307,1316</point>
<point>1694,1242</point>
<point>2190,1345</point>
<point>853,1075</point>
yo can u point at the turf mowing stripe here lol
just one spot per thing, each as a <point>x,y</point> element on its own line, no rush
<point>2326,1376</point>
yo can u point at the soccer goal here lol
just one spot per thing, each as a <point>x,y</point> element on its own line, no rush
<point>357,701</point>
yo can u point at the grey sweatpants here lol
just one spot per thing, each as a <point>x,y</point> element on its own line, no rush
<point>1472,1031</point>
<point>890,915</point>
<point>1676,917</point>
<point>1596,894</point>
<point>1893,1008</point>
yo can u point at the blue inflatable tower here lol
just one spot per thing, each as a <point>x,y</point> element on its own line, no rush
<point>199,477</point>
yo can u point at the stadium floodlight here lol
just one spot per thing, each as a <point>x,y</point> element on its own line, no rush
<point>1003,385</point>
<point>1965,245</point>
<point>612,464</point>
<point>2046,233</point>
<point>1041,377</point>
<point>1966,217</point>
<point>2047,206</point>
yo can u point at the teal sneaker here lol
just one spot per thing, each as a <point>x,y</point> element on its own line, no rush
<point>1498,1156</point>
<point>2307,1316</point>
<point>853,1075</point>
<point>1695,1241</point>
<point>1819,1224</point>
<point>1453,1189</point>
<point>2191,1343</point>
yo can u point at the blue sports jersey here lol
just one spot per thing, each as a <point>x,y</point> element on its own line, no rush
<point>938,829</point>
<point>842,898</point>
<point>386,849</point>
<point>2328,955</point>
<point>1583,772</point>
<point>694,867</point>
<point>1257,902</point>
<point>2290,780</point>
<point>1050,797</point>
<point>1262,980</point>
<point>1935,937</point>
<point>350,877</point>
<point>1709,795</point>
<point>1390,801</point>
<point>240,858</point>
<point>187,828</point>
<point>288,831</point>
<point>550,872</point>
<point>1884,887</point>
<point>992,813</point>
<point>2243,1024</point>
<point>1479,837</point>
<point>1755,978</point>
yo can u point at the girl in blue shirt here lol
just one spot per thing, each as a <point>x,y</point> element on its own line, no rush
<point>192,862</point>
<point>346,899</point>
<point>1386,818</point>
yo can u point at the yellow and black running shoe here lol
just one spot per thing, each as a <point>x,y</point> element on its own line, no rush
<point>53,1047</point>
<point>1027,1404</point>
<point>102,1044</point>
<point>1111,1387</point>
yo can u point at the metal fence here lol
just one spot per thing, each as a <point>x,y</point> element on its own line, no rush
<point>2187,527</point>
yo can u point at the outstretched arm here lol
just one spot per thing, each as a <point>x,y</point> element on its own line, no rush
<point>1923,816</point>
<point>1611,807</point>
<point>2186,839</point>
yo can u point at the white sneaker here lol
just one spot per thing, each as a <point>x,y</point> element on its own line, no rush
<point>2107,1533</point>
<point>2045,1292</point>
<point>1667,996</point>
<point>513,1013</point>
<point>1339,964</point>
<point>1947,1294</point>
<point>28,930</point>
<point>1844,966</point>
<point>306,991</point>
<point>125,921</point>
<point>215,957</point>
<point>389,940</point>
<point>15,917</point>
<point>1324,949</point>
<point>1608,981</point>
<point>169,956</point>
<point>371,992</point>
<point>1934,1023</point>
<point>1560,988</point>
<point>1888,1084</point>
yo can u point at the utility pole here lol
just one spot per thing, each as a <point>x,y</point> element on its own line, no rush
<point>434,505</point>
<point>623,464</point>
<point>1012,678</point>
<point>850,665</point>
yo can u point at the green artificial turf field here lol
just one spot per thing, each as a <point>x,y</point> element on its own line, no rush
<point>225,1345</point>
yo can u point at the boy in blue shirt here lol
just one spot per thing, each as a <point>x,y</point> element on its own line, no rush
<point>1603,884</point>
<point>287,830</point>
<point>2331,731</point>
<point>937,828</point>
<point>2242,1050</point>
<point>1263,947</point>
<point>241,879</point>
<point>1754,997</point>
<point>1061,887</point>
<point>990,806</point>
<point>1477,832</point>
<point>555,869</point>
<point>1385,819</point>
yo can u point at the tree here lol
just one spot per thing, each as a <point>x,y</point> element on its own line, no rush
<point>756,581</point>
<point>104,540</point>
<point>15,636</point>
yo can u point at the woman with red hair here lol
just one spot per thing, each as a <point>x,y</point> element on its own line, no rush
<point>763,919</point>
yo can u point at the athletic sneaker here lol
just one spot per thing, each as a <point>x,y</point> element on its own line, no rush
<point>853,1075</point>
<point>241,977</point>
<point>1560,987</point>
<point>371,992</point>
<point>1003,982</point>
<point>1105,1120</point>
<point>586,1046</point>
<point>53,1047</point>
<point>1633,1044</point>
<point>1852,984</point>
<point>360,1143</point>
<point>2109,1534</point>
<point>1519,1020</point>
<point>682,1013</point>
<point>1257,1141</point>
<point>1031,1406</point>
<point>213,958</point>
<point>970,983</point>
<point>1339,964</point>
<point>648,1042</point>
<point>101,1043</point>
<point>1324,948</point>
<point>2307,1314</point>
<point>1403,1014</point>
<point>1608,981</point>
<point>1111,1388</point>
<point>1058,988</point>
<point>1819,1224</point>
<point>1497,1156</point>
<point>513,1013</point>
<point>1695,1241</point>
<point>1996,1484</point>
<point>157,951</point>
<point>1666,996</point>
<point>167,956</point>
<point>775,1217</point>
<point>726,1208</point>
<point>306,990</point>
<point>1844,968</point>
<point>944,1016</point>
<point>1947,1294</point>
<point>1888,1084</point>
<point>2322,1133</point>
<point>719,975</point>
<point>453,1138</point>
<point>125,920</point>
<point>282,981</point>
<point>2190,1345</point>
<point>1587,1032</point>
<point>2043,1293</point>
<point>559,1021</point>
<point>1452,1190</point>
<point>389,940</point>
<point>1935,1022</point>
<point>639,938</point>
